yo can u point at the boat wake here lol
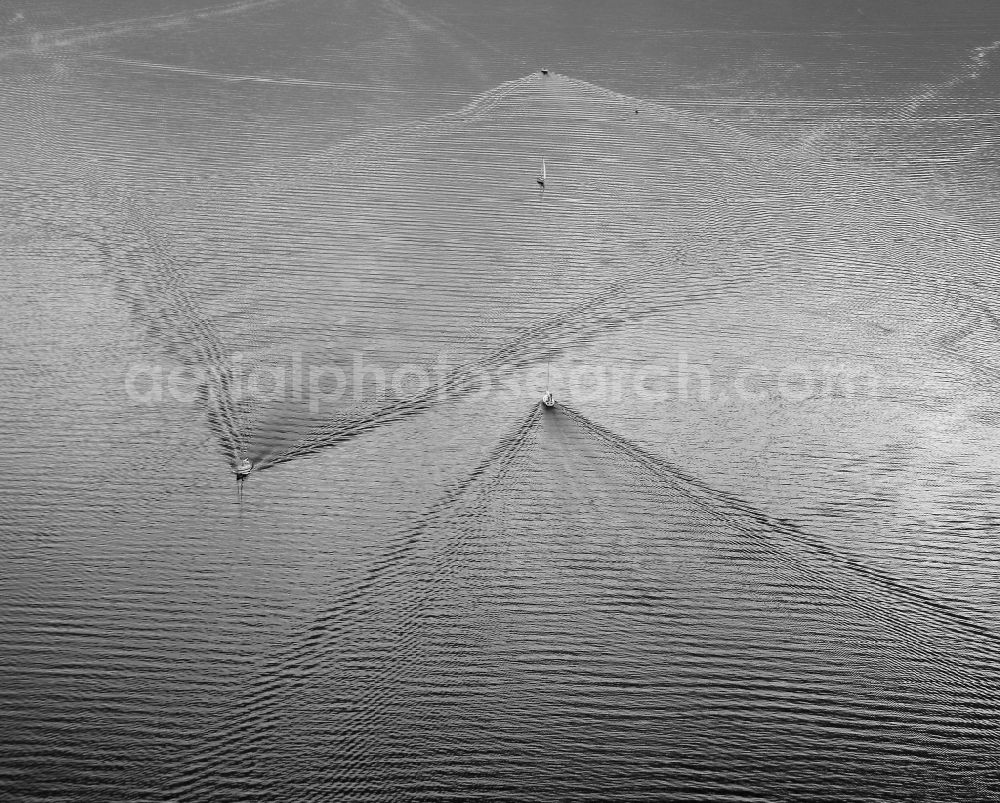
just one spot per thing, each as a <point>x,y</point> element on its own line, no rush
<point>917,613</point>
<point>417,565</point>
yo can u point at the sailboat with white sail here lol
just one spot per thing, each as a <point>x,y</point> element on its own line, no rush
<point>549,400</point>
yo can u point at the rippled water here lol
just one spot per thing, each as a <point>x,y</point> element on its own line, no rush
<point>750,555</point>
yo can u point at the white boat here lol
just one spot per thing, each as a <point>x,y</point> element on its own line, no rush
<point>244,468</point>
<point>541,179</point>
<point>548,399</point>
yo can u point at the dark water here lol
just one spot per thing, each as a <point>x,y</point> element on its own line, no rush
<point>751,555</point>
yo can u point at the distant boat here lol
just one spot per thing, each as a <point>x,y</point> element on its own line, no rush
<point>241,471</point>
<point>541,178</point>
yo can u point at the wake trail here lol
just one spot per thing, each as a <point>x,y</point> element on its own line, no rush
<point>574,326</point>
<point>154,283</point>
<point>145,271</point>
<point>419,568</point>
<point>282,80</point>
<point>977,64</point>
<point>906,108</point>
<point>40,42</point>
<point>743,517</point>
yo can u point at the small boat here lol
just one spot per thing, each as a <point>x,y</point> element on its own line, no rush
<point>241,471</point>
<point>541,179</point>
<point>548,399</point>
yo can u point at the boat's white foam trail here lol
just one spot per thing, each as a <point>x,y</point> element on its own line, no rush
<point>41,42</point>
<point>978,63</point>
<point>307,83</point>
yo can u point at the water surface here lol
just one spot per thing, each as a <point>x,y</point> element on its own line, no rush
<point>774,579</point>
